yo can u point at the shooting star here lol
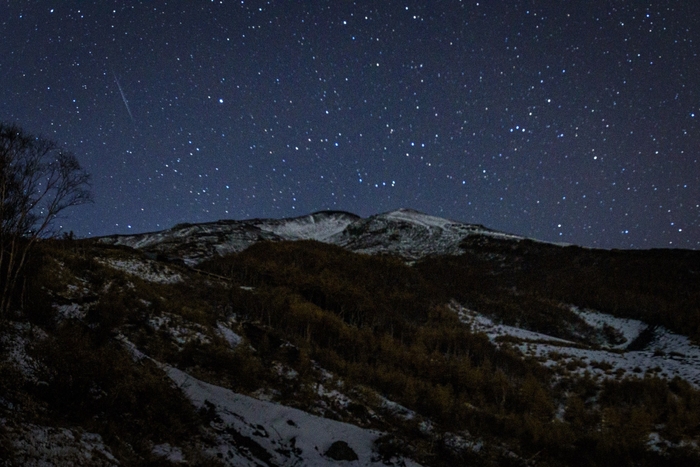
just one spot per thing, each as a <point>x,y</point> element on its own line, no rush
<point>126,104</point>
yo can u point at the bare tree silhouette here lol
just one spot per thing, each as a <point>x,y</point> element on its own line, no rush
<point>38,180</point>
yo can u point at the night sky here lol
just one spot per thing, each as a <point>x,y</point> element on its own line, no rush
<point>567,121</point>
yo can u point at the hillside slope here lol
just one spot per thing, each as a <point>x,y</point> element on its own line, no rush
<point>288,344</point>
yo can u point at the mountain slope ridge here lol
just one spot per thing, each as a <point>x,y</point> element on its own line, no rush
<point>404,232</point>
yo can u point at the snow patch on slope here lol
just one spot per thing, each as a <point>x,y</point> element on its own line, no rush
<point>179,330</point>
<point>170,453</point>
<point>450,227</point>
<point>150,271</point>
<point>627,329</point>
<point>251,430</point>
<point>15,340</point>
<point>36,445</point>
<point>667,355</point>
<point>607,364</point>
<point>481,323</point>
<point>418,218</point>
<point>319,226</point>
<point>409,234</point>
<point>231,337</point>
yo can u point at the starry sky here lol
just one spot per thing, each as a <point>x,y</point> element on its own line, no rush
<point>567,121</point>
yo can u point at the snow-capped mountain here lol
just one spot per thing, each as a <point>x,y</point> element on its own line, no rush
<point>194,242</point>
<point>404,232</point>
<point>409,234</point>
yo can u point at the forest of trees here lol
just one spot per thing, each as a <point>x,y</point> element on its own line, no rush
<point>379,322</point>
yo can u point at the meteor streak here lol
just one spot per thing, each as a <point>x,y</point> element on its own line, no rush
<point>126,104</point>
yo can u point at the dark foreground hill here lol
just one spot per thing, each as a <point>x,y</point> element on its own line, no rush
<point>401,339</point>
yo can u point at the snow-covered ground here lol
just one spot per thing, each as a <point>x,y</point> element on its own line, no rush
<point>251,430</point>
<point>180,330</point>
<point>195,242</point>
<point>482,323</point>
<point>627,329</point>
<point>147,270</point>
<point>608,364</point>
<point>15,339</point>
<point>231,337</point>
<point>418,218</point>
<point>312,227</point>
<point>407,233</point>
<point>170,453</point>
<point>71,311</point>
<point>667,355</point>
<point>427,221</point>
<point>39,446</point>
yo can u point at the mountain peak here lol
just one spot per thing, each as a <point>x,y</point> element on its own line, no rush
<point>418,218</point>
<point>403,232</point>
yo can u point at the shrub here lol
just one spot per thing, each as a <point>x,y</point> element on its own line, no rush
<point>95,384</point>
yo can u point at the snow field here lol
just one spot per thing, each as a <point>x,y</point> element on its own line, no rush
<point>252,432</point>
<point>668,355</point>
<point>147,270</point>
<point>289,436</point>
<point>39,446</point>
<point>628,328</point>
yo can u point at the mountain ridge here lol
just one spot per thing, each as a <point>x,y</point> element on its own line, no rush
<point>404,232</point>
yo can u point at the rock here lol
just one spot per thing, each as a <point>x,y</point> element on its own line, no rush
<point>340,451</point>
